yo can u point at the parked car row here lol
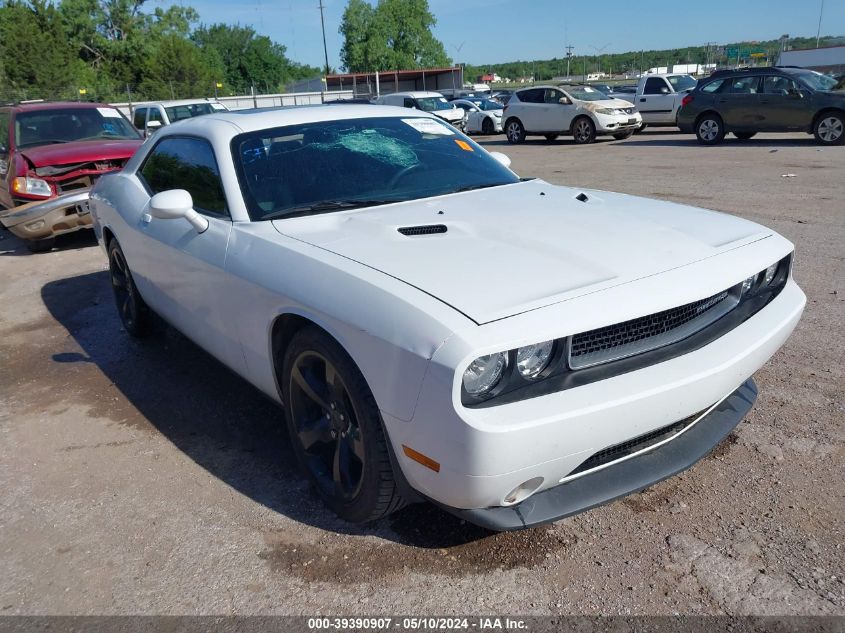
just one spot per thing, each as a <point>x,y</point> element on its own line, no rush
<point>57,151</point>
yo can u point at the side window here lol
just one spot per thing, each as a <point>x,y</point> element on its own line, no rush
<point>713,86</point>
<point>409,103</point>
<point>140,118</point>
<point>155,115</point>
<point>463,106</point>
<point>774,85</point>
<point>553,96</point>
<point>654,86</point>
<point>534,95</point>
<point>186,163</point>
<point>742,86</point>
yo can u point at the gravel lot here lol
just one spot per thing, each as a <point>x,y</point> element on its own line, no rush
<point>146,478</point>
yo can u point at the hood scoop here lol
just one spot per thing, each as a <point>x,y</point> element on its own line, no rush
<point>425,229</point>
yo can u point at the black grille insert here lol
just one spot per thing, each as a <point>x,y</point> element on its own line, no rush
<point>426,229</point>
<point>642,334</point>
<point>629,447</point>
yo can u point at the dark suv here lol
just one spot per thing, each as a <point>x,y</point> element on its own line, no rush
<point>776,99</point>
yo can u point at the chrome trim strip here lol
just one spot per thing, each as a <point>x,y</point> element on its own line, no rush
<point>648,449</point>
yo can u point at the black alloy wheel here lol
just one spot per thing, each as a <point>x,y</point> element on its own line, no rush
<point>134,313</point>
<point>336,429</point>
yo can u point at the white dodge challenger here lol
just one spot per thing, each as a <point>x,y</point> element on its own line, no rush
<point>436,327</point>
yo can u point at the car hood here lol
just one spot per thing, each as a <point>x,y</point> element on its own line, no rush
<point>80,152</point>
<point>520,247</point>
<point>450,114</point>
<point>605,103</point>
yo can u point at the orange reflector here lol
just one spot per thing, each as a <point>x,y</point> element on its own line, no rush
<point>420,458</point>
<point>464,145</point>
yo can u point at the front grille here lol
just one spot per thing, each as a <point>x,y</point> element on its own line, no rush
<point>649,332</point>
<point>639,443</point>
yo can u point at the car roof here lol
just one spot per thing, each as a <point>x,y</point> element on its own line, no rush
<point>174,102</point>
<point>58,105</point>
<point>236,122</point>
<point>790,70</point>
<point>415,93</point>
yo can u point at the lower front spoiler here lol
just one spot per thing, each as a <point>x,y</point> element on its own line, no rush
<point>623,477</point>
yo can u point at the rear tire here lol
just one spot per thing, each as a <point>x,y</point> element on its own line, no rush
<point>744,136</point>
<point>583,130</point>
<point>622,136</point>
<point>829,128</point>
<point>709,129</point>
<point>40,246</point>
<point>136,316</point>
<point>336,429</point>
<point>514,131</point>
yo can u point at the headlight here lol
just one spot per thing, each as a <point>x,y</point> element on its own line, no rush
<point>769,274</point>
<point>607,111</point>
<point>484,373</point>
<point>748,284</point>
<point>32,186</point>
<point>531,360</point>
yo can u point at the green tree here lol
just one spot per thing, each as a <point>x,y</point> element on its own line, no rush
<point>396,34</point>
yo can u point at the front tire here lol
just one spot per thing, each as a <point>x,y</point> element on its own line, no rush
<point>136,316</point>
<point>709,129</point>
<point>487,126</point>
<point>830,129</point>
<point>514,131</point>
<point>336,430</point>
<point>40,246</point>
<point>583,130</point>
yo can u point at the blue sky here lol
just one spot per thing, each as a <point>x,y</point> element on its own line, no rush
<point>491,31</point>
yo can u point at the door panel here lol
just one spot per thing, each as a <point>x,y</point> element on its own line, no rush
<point>783,106</point>
<point>655,105</point>
<point>738,102</point>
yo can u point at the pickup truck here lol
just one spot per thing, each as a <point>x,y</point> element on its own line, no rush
<point>658,97</point>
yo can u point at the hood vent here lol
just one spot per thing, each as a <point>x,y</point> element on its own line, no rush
<point>426,229</point>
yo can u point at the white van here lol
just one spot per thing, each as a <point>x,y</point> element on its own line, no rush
<point>433,102</point>
<point>148,117</point>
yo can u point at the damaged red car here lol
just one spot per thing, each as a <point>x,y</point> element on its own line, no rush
<point>50,156</point>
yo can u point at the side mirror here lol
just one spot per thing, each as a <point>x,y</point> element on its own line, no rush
<point>177,203</point>
<point>504,159</point>
<point>565,101</point>
<point>153,125</point>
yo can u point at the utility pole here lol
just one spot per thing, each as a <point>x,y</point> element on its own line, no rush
<point>569,48</point>
<point>325,48</point>
<point>819,31</point>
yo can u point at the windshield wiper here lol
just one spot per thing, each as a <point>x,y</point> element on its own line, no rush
<point>474,187</point>
<point>324,206</point>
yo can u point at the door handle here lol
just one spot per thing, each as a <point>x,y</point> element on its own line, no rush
<point>146,218</point>
<point>642,98</point>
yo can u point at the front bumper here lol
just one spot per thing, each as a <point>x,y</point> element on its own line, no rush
<point>616,124</point>
<point>486,453</point>
<point>623,477</point>
<point>48,218</point>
